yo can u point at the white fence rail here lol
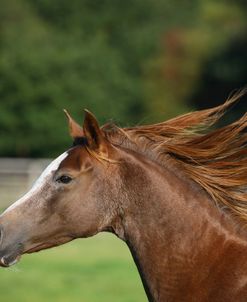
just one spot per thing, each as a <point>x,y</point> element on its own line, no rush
<point>16,177</point>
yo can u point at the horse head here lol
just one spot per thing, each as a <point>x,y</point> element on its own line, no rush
<point>68,201</point>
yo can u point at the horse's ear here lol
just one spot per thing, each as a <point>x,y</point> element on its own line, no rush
<point>74,129</point>
<point>94,135</point>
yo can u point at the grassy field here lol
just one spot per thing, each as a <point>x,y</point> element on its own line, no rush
<point>87,270</point>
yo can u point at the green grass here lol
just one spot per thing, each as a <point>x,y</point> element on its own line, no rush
<point>87,270</point>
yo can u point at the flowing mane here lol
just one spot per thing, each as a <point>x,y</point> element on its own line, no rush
<point>216,159</point>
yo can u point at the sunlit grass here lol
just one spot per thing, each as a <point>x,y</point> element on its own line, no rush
<point>88,270</point>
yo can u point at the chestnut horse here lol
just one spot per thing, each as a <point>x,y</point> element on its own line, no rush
<point>175,192</point>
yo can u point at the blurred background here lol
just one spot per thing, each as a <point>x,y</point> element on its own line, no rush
<point>132,62</point>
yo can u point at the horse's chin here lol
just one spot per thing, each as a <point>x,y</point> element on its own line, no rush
<point>8,261</point>
<point>39,247</point>
<point>47,245</point>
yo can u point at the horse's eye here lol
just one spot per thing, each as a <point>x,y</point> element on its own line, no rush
<point>65,179</point>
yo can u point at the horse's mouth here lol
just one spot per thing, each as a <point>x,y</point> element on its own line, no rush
<point>8,261</point>
<point>11,259</point>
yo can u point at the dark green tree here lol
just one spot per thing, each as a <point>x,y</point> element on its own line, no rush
<point>133,61</point>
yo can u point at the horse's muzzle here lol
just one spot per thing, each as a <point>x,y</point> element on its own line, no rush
<point>10,254</point>
<point>9,258</point>
<point>7,262</point>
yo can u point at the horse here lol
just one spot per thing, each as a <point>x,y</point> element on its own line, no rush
<point>175,192</point>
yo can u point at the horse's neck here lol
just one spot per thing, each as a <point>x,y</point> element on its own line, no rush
<point>175,234</point>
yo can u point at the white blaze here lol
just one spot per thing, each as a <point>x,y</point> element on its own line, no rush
<point>53,166</point>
